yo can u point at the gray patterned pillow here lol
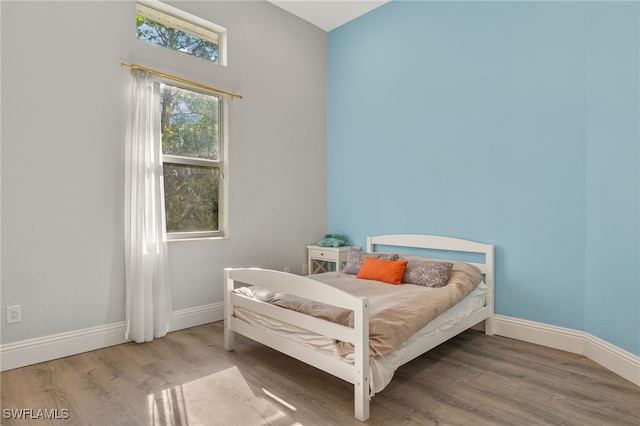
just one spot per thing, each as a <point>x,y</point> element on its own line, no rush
<point>356,257</point>
<point>427,273</point>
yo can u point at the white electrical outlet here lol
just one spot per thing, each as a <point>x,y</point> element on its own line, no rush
<point>13,314</point>
<point>287,269</point>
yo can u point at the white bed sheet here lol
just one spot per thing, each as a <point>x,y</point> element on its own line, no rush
<point>381,368</point>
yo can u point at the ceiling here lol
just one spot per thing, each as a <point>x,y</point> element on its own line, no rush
<point>328,14</point>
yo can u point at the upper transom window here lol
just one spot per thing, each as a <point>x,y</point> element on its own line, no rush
<point>174,29</point>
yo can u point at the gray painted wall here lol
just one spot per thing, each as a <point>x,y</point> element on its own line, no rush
<point>64,103</point>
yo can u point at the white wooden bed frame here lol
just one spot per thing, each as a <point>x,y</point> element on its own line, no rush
<point>358,372</point>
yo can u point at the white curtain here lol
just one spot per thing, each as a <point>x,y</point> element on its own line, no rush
<point>148,300</point>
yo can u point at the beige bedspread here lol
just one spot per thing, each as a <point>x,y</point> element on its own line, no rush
<point>396,312</point>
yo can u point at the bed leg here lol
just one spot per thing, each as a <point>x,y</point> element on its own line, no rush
<point>361,396</point>
<point>229,340</point>
<point>488,326</point>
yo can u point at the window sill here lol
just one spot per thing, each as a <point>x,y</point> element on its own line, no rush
<point>179,240</point>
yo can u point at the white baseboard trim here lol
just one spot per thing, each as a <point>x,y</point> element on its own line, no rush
<point>192,317</point>
<point>41,349</point>
<point>621,362</point>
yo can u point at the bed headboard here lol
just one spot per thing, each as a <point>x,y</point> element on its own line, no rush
<point>451,246</point>
<point>433,242</point>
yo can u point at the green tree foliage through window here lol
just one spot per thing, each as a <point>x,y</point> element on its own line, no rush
<point>190,146</point>
<point>191,198</point>
<point>189,123</point>
<point>190,132</point>
<point>160,29</point>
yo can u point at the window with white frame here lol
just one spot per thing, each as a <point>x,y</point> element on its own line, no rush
<point>192,161</point>
<point>166,26</point>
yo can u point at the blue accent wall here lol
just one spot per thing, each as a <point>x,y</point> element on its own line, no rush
<point>511,123</point>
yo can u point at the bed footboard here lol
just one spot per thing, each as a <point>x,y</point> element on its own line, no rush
<point>356,373</point>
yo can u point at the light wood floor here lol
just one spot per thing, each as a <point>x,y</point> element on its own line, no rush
<point>187,378</point>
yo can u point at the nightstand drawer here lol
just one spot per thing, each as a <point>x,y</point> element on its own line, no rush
<point>323,254</point>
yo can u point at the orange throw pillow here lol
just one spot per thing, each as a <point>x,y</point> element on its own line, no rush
<point>387,271</point>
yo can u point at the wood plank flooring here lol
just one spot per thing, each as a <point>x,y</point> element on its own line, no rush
<point>187,378</point>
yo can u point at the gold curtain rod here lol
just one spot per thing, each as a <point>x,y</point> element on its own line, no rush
<point>180,80</point>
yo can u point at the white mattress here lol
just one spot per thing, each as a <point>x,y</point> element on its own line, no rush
<point>382,368</point>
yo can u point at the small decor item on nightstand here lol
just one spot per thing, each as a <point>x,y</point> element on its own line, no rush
<point>333,240</point>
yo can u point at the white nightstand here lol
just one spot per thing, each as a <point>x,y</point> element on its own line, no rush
<point>321,259</point>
